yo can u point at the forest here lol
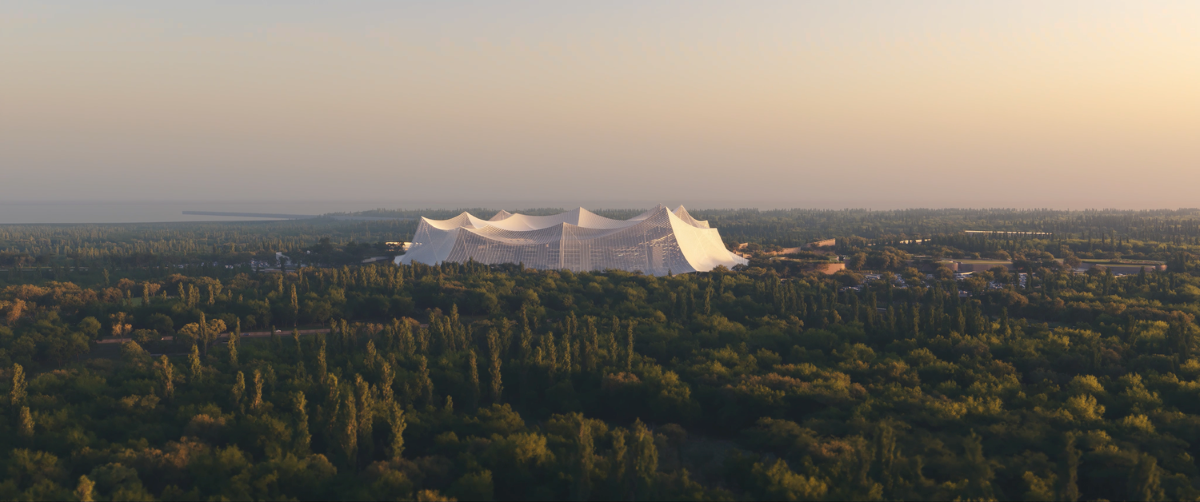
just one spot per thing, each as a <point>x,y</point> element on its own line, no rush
<point>154,362</point>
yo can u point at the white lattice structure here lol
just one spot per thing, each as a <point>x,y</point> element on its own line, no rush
<point>655,242</point>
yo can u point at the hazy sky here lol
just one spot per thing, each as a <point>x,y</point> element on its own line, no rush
<point>794,103</point>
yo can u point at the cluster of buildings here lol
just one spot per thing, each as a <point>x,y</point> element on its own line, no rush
<point>900,283</point>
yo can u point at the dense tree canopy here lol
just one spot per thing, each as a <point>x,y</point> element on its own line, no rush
<point>474,382</point>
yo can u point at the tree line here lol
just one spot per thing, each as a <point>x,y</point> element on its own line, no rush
<point>495,382</point>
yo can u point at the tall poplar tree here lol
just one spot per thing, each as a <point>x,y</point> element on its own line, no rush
<point>585,452</point>
<point>366,413</point>
<point>398,424</point>
<point>617,465</point>
<point>256,401</point>
<point>167,373</point>
<point>303,437</point>
<point>18,392</point>
<point>233,344</point>
<point>613,350</point>
<point>644,456</point>
<point>629,346</point>
<point>386,377</point>
<point>587,348</point>
<point>473,373</point>
<point>194,364</point>
<point>347,430</point>
<point>295,307</point>
<point>425,383</point>
<point>494,366</point>
<point>322,365</point>
<point>25,423</point>
<point>239,389</point>
<point>203,325</point>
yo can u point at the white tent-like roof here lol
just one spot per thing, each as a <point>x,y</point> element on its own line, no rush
<point>655,242</point>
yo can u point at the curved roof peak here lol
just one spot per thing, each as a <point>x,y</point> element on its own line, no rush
<point>683,214</point>
<point>580,217</point>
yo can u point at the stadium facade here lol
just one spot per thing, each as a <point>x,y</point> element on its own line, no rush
<point>657,242</point>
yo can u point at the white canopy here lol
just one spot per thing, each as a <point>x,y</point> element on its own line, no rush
<point>655,242</point>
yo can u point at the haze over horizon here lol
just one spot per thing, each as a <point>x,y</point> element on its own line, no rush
<point>766,104</point>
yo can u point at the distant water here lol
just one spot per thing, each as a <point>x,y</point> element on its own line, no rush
<point>140,212</point>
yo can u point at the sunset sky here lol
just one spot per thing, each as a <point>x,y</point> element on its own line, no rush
<point>798,104</point>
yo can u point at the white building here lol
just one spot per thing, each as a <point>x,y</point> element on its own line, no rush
<point>655,242</point>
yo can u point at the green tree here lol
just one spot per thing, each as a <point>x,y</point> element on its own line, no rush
<point>386,377</point>
<point>585,457</point>
<point>257,401</point>
<point>424,383</point>
<point>239,389</point>
<point>397,422</point>
<point>1144,480</point>
<point>1039,488</point>
<point>348,430</point>
<point>203,332</point>
<point>1070,491</point>
<point>303,438</point>
<point>194,364</point>
<point>84,492</point>
<point>567,364</point>
<point>493,342</point>
<point>369,360</point>
<point>18,392</point>
<point>587,348</point>
<point>473,374</point>
<point>295,307</point>
<point>167,374</point>
<point>547,353</point>
<point>617,462</point>
<point>978,469</point>
<point>121,328</point>
<point>366,414</point>
<point>25,423</point>
<point>322,365</point>
<point>90,327</point>
<point>234,338</point>
<point>778,482</point>
<point>644,455</point>
<point>629,346</point>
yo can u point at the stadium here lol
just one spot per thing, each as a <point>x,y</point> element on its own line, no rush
<point>656,242</point>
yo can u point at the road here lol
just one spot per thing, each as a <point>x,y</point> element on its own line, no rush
<point>250,334</point>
